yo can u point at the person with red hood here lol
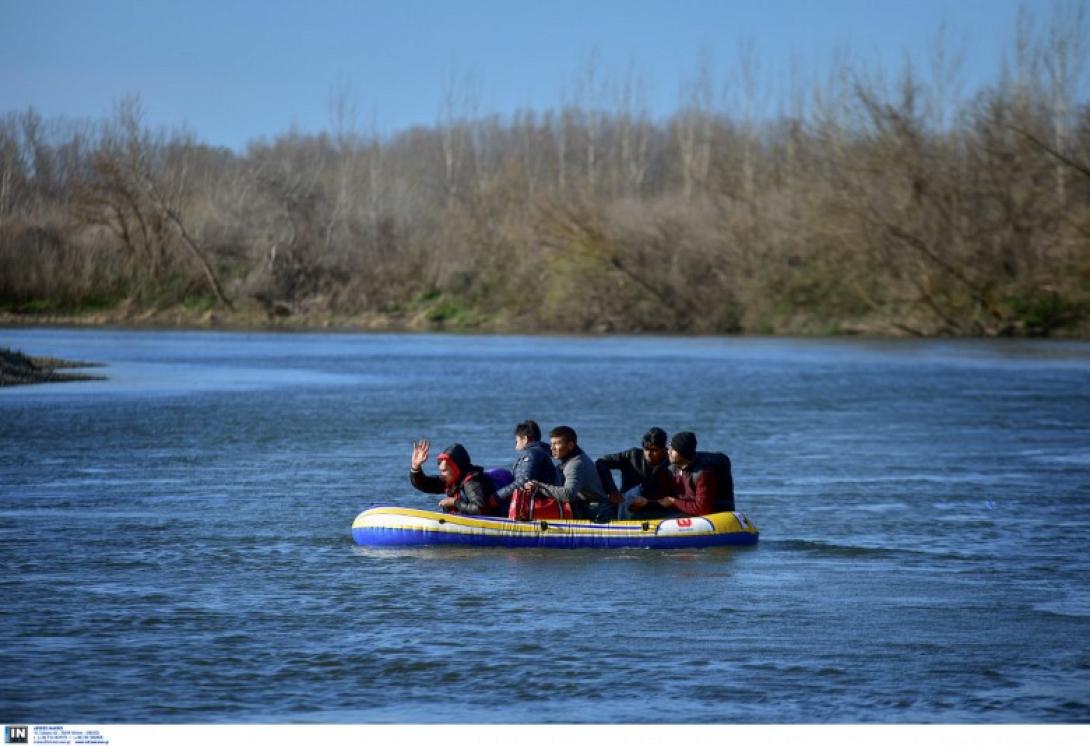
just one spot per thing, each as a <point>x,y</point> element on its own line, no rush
<point>465,486</point>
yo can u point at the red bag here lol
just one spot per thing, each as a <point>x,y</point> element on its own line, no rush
<point>528,505</point>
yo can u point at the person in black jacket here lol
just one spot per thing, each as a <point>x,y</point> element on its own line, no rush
<point>645,477</point>
<point>465,487</point>
<point>534,462</point>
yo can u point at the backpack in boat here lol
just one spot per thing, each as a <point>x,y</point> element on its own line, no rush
<point>719,463</point>
<point>530,505</point>
<point>499,478</point>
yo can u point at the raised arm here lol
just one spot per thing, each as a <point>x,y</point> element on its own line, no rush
<point>419,455</point>
<point>417,477</point>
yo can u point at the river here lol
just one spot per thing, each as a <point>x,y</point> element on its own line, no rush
<point>176,543</point>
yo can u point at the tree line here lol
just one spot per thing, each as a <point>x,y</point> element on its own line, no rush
<point>867,203</point>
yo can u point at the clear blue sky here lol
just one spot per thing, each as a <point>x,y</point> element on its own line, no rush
<point>232,70</point>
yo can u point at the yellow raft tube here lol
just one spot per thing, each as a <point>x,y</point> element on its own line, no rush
<point>402,527</point>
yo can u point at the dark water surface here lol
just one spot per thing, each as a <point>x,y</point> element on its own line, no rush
<point>176,546</point>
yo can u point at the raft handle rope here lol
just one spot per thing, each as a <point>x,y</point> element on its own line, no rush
<point>531,498</point>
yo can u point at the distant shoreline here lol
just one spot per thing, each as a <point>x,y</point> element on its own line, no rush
<point>17,369</point>
<point>181,318</point>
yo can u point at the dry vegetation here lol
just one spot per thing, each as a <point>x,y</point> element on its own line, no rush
<point>868,204</point>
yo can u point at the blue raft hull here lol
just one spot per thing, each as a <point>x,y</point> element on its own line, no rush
<point>406,527</point>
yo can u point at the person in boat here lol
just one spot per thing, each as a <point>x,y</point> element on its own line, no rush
<point>534,463</point>
<point>580,485</point>
<point>695,482</point>
<point>645,477</point>
<point>464,486</point>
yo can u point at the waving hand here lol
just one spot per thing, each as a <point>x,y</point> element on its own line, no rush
<point>420,453</point>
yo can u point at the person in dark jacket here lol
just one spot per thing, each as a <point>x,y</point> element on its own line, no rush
<point>645,476</point>
<point>694,479</point>
<point>465,487</point>
<point>581,487</point>
<point>534,462</point>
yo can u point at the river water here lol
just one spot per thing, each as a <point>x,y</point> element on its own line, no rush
<point>176,544</point>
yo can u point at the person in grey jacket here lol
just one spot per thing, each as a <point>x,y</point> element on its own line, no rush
<point>533,463</point>
<point>581,488</point>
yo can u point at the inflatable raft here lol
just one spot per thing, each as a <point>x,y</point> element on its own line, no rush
<point>403,527</point>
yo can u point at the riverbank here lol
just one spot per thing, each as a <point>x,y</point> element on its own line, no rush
<point>254,319</point>
<point>180,317</point>
<point>17,369</point>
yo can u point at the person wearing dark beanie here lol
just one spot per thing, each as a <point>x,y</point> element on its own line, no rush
<point>684,443</point>
<point>695,482</point>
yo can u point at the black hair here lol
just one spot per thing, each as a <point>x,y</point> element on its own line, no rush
<point>655,436</point>
<point>565,432</point>
<point>528,429</point>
